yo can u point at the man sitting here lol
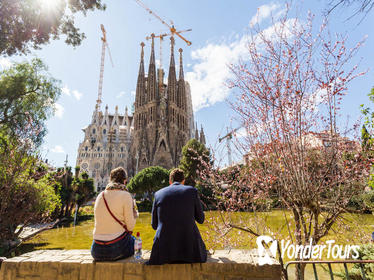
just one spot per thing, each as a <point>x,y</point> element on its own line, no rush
<point>175,209</point>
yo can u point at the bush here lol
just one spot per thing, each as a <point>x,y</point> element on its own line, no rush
<point>366,252</point>
<point>144,205</point>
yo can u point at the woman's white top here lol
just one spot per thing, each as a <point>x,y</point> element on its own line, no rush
<point>122,206</point>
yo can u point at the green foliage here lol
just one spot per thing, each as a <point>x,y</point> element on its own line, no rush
<point>368,199</point>
<point>27,24</point>
<point>27,192</point>
<point>72,189</point>
<point>148,181</point>
<point>83,188</point>
<point>194,157</point>
<point>27,97</point>
<point>366,252</point>
<point>144,205</point>
<point>194,154</point>
<point>367,134</point>
<point>46,200</point>
<point>368,126</point>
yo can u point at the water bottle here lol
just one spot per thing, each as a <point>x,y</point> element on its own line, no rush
<point>138,247</point>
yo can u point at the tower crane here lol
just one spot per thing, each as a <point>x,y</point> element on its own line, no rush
<point>104,46</point>
<point>162,36</point>
<point>171,27</point>
<point>228,136</point>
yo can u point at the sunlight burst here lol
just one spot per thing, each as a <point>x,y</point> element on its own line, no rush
<point>50,5</point>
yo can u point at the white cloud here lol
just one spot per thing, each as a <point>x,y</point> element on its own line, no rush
<point>78,95</point>
<point>211,71</point>
<point>65,90</point>
<point>75,93</point>
<point>59,110</point>
<point>133,92</point>
<point>58,149</point>
<point>209,74</point>
<point>5,63</point>
<point>266,11</point>
<point>121,94</point>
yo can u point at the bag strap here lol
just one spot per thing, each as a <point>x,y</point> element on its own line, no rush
<point>114,217</point>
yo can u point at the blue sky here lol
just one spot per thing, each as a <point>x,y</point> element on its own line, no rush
<point>217,29</point>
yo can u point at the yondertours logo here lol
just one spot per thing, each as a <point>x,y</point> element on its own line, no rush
<point>267,248</point>
<point>263,253</point>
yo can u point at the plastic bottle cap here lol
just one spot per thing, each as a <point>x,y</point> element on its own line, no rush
<point>137,234</point>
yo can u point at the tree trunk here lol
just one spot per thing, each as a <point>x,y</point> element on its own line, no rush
<point>299,272</point>
<point>300,268</point>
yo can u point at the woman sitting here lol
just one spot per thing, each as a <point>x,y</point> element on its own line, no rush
<point>115,216</point>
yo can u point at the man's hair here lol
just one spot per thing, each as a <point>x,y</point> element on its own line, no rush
<point>118,175</point>
<point>176,175</point>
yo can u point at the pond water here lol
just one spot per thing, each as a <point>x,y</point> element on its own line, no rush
<point>80,236</point>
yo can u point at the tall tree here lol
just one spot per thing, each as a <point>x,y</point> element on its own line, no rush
<point>192,154</point>
<point>27,97</point>
<point>28,24</point>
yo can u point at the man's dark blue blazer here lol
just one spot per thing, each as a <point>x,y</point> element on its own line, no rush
<point>177,239</point>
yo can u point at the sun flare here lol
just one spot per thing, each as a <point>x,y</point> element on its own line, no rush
<point>50,5</point>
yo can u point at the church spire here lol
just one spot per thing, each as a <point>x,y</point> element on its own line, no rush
<point>202,135</point>
<point>152,77</point>
<point>196,132</point>
<point>181,73</point>
<point>181,93</point>
<point>172,79</point>
<point>140,86</point>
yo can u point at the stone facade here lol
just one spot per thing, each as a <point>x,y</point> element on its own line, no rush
<point>160,126</point>
<point>78,264</point>
<point>106,145</point>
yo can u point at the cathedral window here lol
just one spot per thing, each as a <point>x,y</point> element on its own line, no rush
<point>122,149</point>
<point>104,131</point>
<point>93,131</point>
<point>86,148</point>
<point>98,149</point>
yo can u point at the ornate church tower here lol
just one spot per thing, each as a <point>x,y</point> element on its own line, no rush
<point>106,144</point>
<point>163,118</point>
<point>161,125</point>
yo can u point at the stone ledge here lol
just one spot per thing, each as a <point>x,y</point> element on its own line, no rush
<point>79,265</point>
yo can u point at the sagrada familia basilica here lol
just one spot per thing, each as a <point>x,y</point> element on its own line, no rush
<point>161,124</point>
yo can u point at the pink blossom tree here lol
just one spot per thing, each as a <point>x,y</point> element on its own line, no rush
<point>287,96</point>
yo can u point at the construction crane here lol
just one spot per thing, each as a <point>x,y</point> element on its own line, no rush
<point>104,46</point>
<point>228,136</point>
<point>171,27</point>
<point>162,36</point>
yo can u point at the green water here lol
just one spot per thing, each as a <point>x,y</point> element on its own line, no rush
<point>357,229</point>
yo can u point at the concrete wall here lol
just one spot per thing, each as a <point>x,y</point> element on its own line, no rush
<point>78,264</point>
